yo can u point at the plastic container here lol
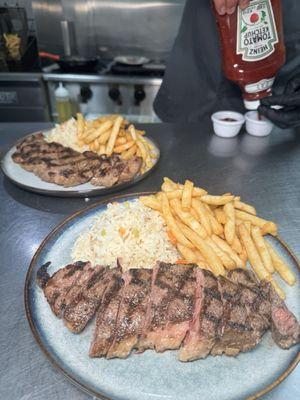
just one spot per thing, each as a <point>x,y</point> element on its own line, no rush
<point>257,127</point>
<point>227,124</point>
<point>63,104</point>
<point>253,48</point>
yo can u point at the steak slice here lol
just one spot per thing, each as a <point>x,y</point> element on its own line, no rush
<point>240,332</point>
<point>171,309</point>
<point>83,307</point>
<point>284,325</point>
<point>130,169</point>
<point>132,313</point>
<point>205,327</point>
<point>56,287</point>
<point>107,315</point>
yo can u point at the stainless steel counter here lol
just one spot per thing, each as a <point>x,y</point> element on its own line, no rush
<point>264,171</point>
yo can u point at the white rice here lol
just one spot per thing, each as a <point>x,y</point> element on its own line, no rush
<point>66,134</point>
<point>129,231</point>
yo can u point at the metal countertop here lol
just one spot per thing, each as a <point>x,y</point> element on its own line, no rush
<point>264,171</point>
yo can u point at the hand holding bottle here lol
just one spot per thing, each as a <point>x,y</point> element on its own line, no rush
<point>289,115</point>
<point>229,6</point>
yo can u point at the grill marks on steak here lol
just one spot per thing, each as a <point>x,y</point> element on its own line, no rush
<point>64,166</point>
<point>169,307</point>
<point>132,312</point>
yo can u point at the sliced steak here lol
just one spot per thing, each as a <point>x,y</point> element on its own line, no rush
<point>88,298</point>
<point>132,313</point>
<point>64,166</point>
<point>56,287</point>
<point>239,334</point>
<point>205,327</point>
<point>284,325</point>
<point>172,307</point>
<point>107,315</point>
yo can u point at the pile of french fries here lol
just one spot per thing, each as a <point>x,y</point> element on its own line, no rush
<point>113,134</point>
<point>218,233</point>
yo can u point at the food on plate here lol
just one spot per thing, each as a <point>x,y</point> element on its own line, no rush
<point>168,307</point>
<point>55,163</point>
<point>107,135</point>
<point>219,232</point>
<point>128,231</point>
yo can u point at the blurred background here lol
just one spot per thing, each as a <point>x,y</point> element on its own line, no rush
<point>108,55</point>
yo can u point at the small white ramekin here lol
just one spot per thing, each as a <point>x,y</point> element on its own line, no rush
<point>227,129</point>
<point>257,127</point>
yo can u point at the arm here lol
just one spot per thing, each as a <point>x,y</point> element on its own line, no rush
<point>229,6</point>
<point>288,116</point>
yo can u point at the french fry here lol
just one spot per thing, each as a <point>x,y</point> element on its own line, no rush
<point>168,185</point>
<point>101,149</point>
<point>195,215</point>
<point>123,147</point>
<point>225,247</point>
<point>267,226</point>
<point>253,254</point>
<point>132,132</point>
<point>198,206</point>
<point>216,227</point>
<point>172,223</point>
<point>236,245</point>
<point>142,149</point>
<point>114,133</point>
<point>280,266</point>
<point>103,138</point>
<point>151,202</point>
<point>220,216</point>
<point>216,200</point>
<point>129,153</point>
<point>186,200</point>
<point>120,140</point>
<point>187,218</point>
<point>80,125</point>
<point>278,289</point>
<point>210,256</point>
<point>188,254</point>
<point>226,260</point>
<point>128,136</point>
<point>263,251</point>
<point>229,228</point>
<point>244,207</point>
<point>197,192</point>
<point>97,132</point>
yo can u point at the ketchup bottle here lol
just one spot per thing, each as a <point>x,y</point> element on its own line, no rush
<point>252,48</point>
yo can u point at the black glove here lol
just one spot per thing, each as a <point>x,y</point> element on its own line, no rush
<point>289,115</point>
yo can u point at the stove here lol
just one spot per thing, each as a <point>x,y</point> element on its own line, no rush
<point>114,88</point>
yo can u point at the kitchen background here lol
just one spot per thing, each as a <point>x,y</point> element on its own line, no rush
<point>110,55</point>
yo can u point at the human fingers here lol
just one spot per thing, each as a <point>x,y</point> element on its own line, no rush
<point>282,118</point>
<point>243,4</point>
<point>293,85</point>
<point>290,100</point>
<point>231,6</point>
<point>220,6</point>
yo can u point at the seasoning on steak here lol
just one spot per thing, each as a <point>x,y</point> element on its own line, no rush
<point>56,287</point>
<point>82,308</point>
<point>205,327</point>
<point>132,312</point>
<point>106,318</point>
<point>168,307</point>
<point>54,163</point>
<point>171,308</point>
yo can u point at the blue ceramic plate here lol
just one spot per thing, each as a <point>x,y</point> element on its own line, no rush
<point>149,375</point>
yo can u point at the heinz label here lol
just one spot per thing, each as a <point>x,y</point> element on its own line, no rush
<point>256,31</point>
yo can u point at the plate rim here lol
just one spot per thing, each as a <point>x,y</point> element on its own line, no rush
<point>49,356</point>
<point>75,193</point>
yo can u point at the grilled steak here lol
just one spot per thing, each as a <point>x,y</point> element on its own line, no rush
<point>171,308</point>
<point>168,307</point>
<point>89,291</point>
<point>64,166</point>
<point>56,287</point>
<point>206,327</point>
<point>132,313</point>
<point>107,317</point>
